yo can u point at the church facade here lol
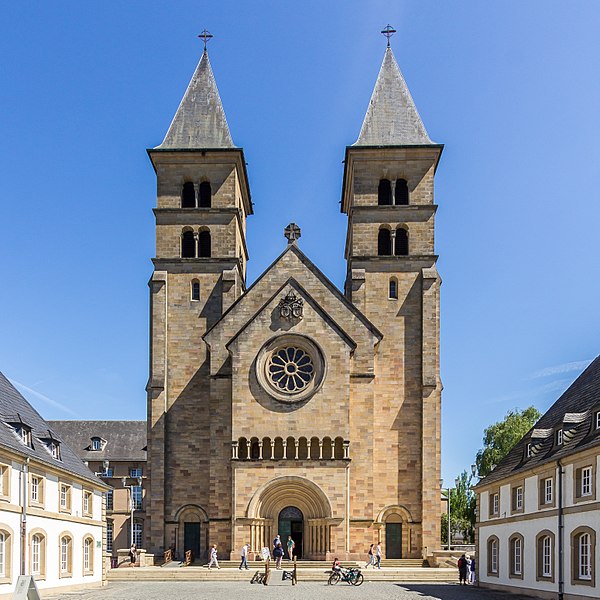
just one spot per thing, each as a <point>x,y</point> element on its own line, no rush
<point>290,407</point>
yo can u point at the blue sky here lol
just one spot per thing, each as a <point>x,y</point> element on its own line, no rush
<point>511,89</point>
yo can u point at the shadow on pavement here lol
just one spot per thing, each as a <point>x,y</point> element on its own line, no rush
<point>458,592</point>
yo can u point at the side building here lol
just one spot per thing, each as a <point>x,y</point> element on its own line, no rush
<point>116,451</point>
<point>539,510</point>
<point>52,520</point>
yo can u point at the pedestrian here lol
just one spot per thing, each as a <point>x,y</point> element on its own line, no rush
<point>462,570</point>
<point>468,559</point>
<point>245,550</point>
<point>278,555</point>
<point>132,555</point>
<point>472,571</point>
<point>290,546</point>
<point>276,541</point>
<point>213,557</point>
<point>371,557</point>
<point>378,554</point>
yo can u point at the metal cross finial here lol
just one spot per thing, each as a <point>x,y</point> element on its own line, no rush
<point>205,37</point>
<point>292,233</point>
<point>388,31</point>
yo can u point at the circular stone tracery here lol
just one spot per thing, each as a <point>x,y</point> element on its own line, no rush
<point>290,368</point>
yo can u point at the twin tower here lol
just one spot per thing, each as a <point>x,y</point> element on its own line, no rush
<point>290,407</point>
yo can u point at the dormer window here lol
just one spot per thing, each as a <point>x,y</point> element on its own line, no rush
<point>559,437</point>
<point>598,419</point>
<point>529,451</point>
<point>23,432</point>
<point>96,444</point>
<point>54,448</point>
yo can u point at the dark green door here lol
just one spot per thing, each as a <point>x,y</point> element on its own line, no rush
<point>191,538</point>
<point>393,540</point>
<point>291,523</point>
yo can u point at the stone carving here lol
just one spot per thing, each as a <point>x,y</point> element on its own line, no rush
<point>292,233</point>
<point>291,306</point>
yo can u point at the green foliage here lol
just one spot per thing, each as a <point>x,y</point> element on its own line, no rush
<point>499,438</point>
<point>462,511</point>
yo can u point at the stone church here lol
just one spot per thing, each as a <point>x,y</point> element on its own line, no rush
<point>288,406</point>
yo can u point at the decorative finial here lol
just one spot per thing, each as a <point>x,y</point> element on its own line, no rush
<point>205,37</point>
<point>388,31</point>
<point>292,233</point>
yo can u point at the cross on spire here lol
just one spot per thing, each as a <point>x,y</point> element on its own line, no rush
<point>292,233</point>
<point>205,37</point>
<point>388,31</point>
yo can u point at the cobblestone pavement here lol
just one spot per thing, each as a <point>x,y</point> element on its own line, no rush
<point>213,590</point>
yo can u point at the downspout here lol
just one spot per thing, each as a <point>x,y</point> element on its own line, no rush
<point>561,528</point>
<point>23,479</point>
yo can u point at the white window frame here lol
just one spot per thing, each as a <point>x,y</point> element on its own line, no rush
<point>35,488</point>
<point>495,503</point>
<point>110,532</point>
<point>586,481</point>
<point>36,554</point>
<point>529,450</point>
<point>87,554</point>
<point>519,498</point>
<point>598,420</point>
<point>3,554</point>
<point>494,556</point>
<point>138,531</point>
<point>96,444</point>
<point>137,495</point>
<point>547,556</point>
<point>65,567</point>
<point>136,472</point>
<point>517,546</point>
<point>109,494</point>
<point>548,490</point>
<point>584,567</point>
<point>64,496</point>
<point>559,437</point>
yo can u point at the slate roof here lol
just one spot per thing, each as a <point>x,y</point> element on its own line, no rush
<point>14,408</point>
<point>200,119</point>
<point>574,412</point>
<point>125,440</point>
<point>392,118</point>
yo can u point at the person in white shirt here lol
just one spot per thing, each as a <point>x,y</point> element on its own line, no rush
<point>245,550</point>
<point>378,555</point>
<point>213,557</point>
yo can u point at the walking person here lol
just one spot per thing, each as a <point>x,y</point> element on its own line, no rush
<point>276,540</point>
<point>472,571</point>
<point>378,554</point>
<point>462,570</point>
<point>290,546</point>
<point>278,555</point>
<point>371,557</point>
<point>213,557</point>
<point>245,550</point>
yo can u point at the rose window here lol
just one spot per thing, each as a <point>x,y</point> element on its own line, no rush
<point>290,369</point>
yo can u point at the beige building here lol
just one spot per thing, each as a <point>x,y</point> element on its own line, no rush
<point>538,511</point>
<point>289,406</point>
<point>116,452</point>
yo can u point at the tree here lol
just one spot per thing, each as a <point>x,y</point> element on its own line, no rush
<point>462,510</point>
<point>499,438</point>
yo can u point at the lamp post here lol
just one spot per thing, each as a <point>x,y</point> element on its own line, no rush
<point>131,502</point>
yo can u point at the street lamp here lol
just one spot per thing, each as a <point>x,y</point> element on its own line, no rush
<point>131,502</point>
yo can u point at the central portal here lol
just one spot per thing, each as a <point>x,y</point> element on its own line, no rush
<point>291,523</point>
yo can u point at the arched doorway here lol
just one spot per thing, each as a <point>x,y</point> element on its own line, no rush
<point>192,531</point>
<point>291,523</point>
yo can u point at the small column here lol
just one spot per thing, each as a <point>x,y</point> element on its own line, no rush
<point>260,447</point>
<point>308,446</point>
<point>284,449</point>
<point>196,236</point>
<point>332,449</point>
<point>296,444</point>
<point>248,445</point>
<point>393,240</point>
<point>346,448</point>
<point>320,449</point>
<point>234,450</point>
<point>272,449</point>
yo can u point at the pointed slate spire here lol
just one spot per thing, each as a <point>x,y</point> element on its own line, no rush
<point>200,119</point>
<point>392,118</point>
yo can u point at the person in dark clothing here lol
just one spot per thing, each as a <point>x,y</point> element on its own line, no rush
<point>462,570</point>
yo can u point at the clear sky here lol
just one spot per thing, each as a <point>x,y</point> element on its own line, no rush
<point>511,88</point>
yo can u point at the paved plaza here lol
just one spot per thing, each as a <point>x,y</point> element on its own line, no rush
<point>213,590</point>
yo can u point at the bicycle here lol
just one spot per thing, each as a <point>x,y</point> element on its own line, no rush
<point>351,576</point>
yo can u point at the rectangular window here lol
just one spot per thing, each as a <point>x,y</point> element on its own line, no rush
<point>3,480</point>
<point>136,493</point>
<point>87,503</point>
<point>109,500</point>
<point>135,472</point>
<point>548,491</point>
<point>35,488</point>
<point>517,498</point>
<point>559,437</point>
<point>25,435</point>
<point>529,452</point>
<point>586,481</point>
<point>137,535</point>
<point>65,496</point>
<point>108,472</point>
<point>547,557</point>
<point>109,536</point>
<point>495,504</point>
<point>64,555</point>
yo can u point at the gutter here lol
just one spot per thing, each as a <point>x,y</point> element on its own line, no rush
<point>23,479</point>
<point>561,531</point>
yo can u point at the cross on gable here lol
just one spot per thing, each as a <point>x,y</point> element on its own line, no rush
<point>292,233</point>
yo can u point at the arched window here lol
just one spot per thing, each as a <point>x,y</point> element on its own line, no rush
<point>291,448</point>
<point>516,556</point>
<point>3,565</point>
<point>254,449</point>
<point>339,448</point>
<point>327,450</point>
<point>278,448</point>
<point>243,448</point>
<point>384,193</point>
<point>393,294</point>
<point>195,290</point>
<point>401,242</point>
<point>38,553</point>
<point>5,552</point>
<point>314,448</point>
<point>492,556</point>
<point>204,244</point>
<point>545,555</point>
<point>66,556</point>
<point>267,448</point>
<point>302,448</point>
<point>188,245</point>
<point>583,547</point>
<point>384,242</point>
<point>88,556</point>
<point>205,195</point>
<point>401,191</point>
<point>188,195</point>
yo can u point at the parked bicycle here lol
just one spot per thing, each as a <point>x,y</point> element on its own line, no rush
<point>351,576</point>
